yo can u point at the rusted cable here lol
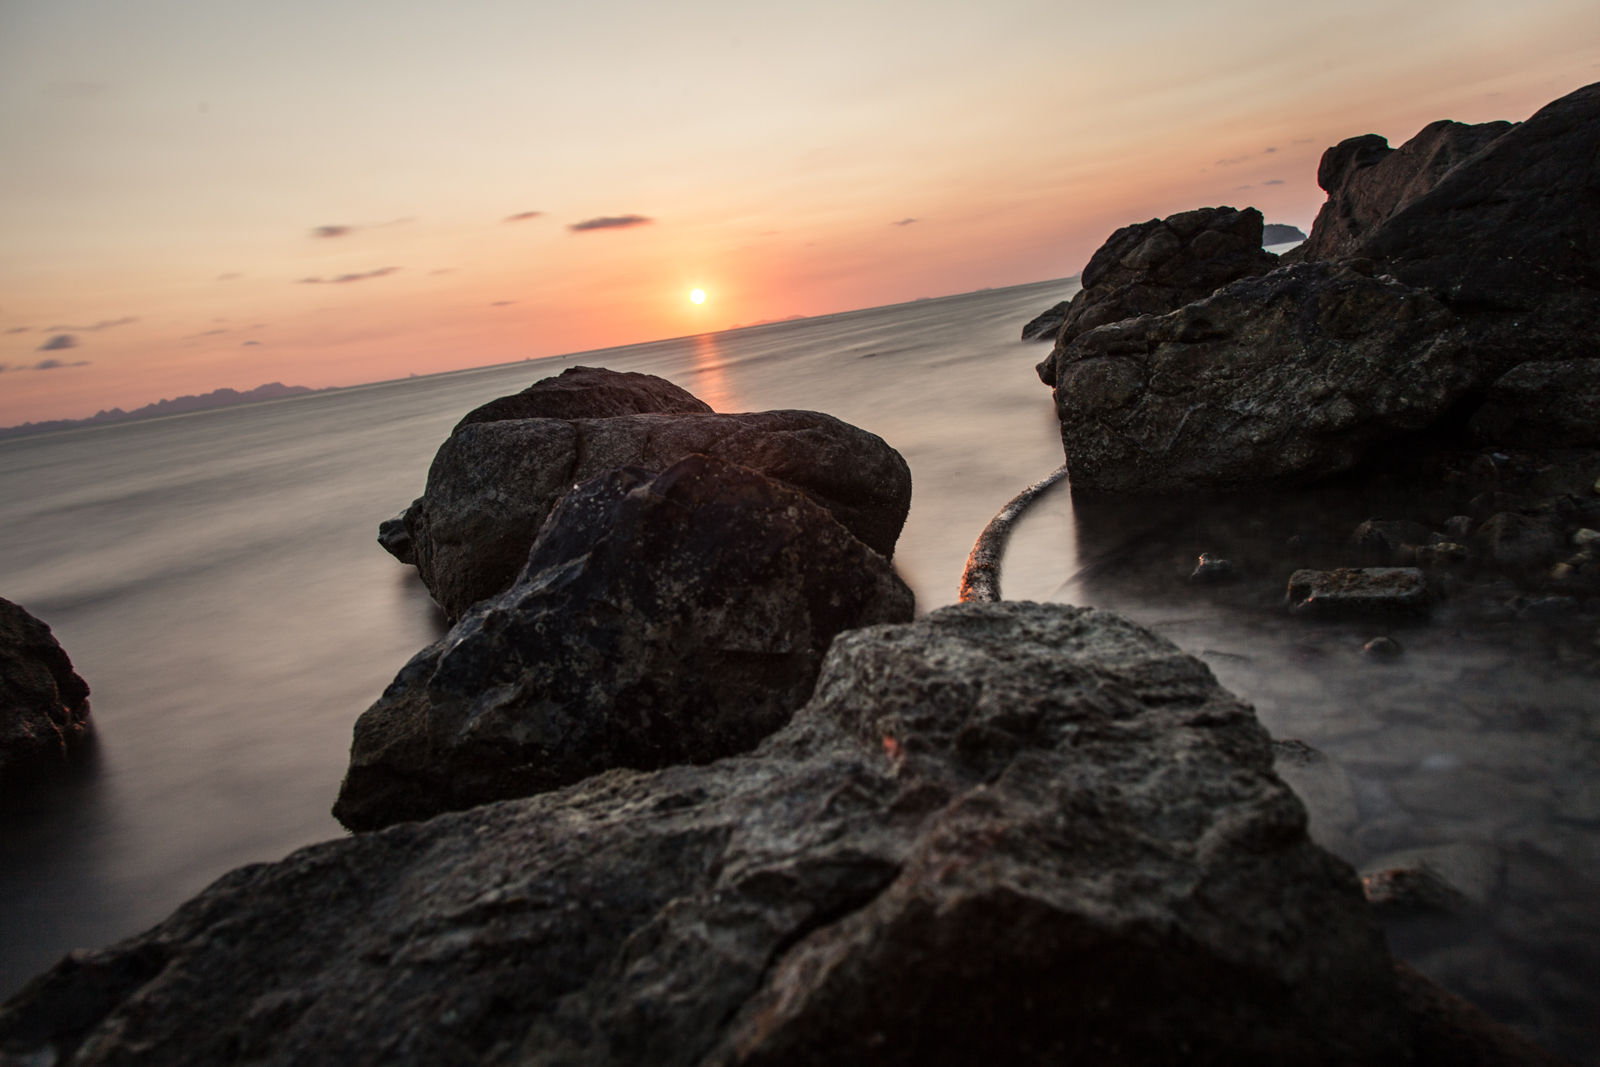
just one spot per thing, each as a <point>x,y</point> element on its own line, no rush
<point>981,580</point>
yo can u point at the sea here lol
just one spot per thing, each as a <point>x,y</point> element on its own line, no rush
<point>215,577</point>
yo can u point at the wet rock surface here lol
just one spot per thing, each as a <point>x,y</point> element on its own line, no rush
<point>44,705</point>
<point>492,484</point>
<point>1154,267</point>
<point>1543,406</point>
<point>661,618</point>
<point>1014,832</point>
<point>1278,380</point>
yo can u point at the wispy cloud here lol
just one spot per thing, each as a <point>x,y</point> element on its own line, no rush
<point>903,222</point>
<point>1274,181</point>
<point>230,276</point>
<point>342,278</point>
<point>331,231</point>
<point>103,324</point>
<point>252,342</point>
<point>610,222</point>
<point>346,229</point>
<point>519,216</point>
<point>19,329</point>
<point>54,364</point>
<point>58,342</point>
<point>502,303</point>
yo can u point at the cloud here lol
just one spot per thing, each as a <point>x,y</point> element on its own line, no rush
<point>1236,188</point>
<point>19,329</point>
<point>341,279</point>
<point>103,324</point>
<point>56,364</point>
<point>252,342</point>
<point>59,342</point>
<point>331,231</point>
<point>1231,162</point>
<point>1274,181</point>
<point>519,216</point>
<point>903,222</point>
<point>230,276</point>
<point>609,222</point>
<point>502,303</point>
<point>1269,150</point>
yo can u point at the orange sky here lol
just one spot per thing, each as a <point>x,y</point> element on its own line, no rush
<point>168,164</point>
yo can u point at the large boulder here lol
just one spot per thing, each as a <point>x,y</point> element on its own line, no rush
<point>661,618</point>
<point>1272,381</point>
<point>1367,182</point>
<point>1009,833</point>
<point>1501,222</point>
<point>44,705</point>
<point>1154,267</point>
<point>493,483</point>
<point>1543,405</point>
<point>590,393</point>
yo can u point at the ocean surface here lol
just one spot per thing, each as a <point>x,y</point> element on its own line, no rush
<point>216,579</point>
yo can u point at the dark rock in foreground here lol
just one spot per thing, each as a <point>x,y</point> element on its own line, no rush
<point>590,393</point>
<point>44,705</point>
<point>661,619</point>
<point>1278,380</point>
<point>1007,833</point>
<point>1543,405</point>
<point>493,483</point>
<point>1155,267</point>
<point>1045,325</point>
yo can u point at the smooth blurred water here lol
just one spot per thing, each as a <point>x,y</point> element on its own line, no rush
<point>215,578</point>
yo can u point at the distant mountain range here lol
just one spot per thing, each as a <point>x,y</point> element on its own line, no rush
<point>219,398</point>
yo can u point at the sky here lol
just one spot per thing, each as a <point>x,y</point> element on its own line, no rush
<point>197,194</point>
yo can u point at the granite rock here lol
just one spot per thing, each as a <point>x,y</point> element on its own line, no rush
<point>1004,833</point>
<point>44,705</point>
<point>661,618</point>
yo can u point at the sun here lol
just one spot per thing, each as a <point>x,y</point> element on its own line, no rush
<point>697,296</point>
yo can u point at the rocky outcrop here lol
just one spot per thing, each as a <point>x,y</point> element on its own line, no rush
<point>1543,405</point>
<point>1004,833</point>
<point>1277,380</point>
<point>1045,325</point>
<point>1155,267</point>
<point>44,705</point>
<point>661,618</point>
<point>1367,182</point>
<point>1279,233</point>
<point>590,393</point>
<point>493,483</point>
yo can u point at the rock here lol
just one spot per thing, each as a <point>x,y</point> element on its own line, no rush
<point>1586,538</point>
<point>44,705</point>
<point>1451,1032</point>
<point>1516,540</point>
<point>590,393</point>
<point>1154,267</point>
<point>1442,554</point>
<point>661,618</point>
<point>1278,233</point>
<point>1008,832</point>
<point>1504,235</point>
<point>1367,182</point>
<point>1272,381</point>
<point>1543,405</point>
<point>1045,325</point>
<point>492,484</point>
<point>1410,890</point>
<point>396,539</point>
<point>1548,610</point>
<point>1325,789</point>
<point>1384,648</point>
<point>1351,592</point>
<point>1383,538</point>
<point>1211,571</point>
<point>1459,527</point>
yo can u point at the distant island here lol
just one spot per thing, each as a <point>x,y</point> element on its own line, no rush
<point>219,398</point>
<point>1279,233</point>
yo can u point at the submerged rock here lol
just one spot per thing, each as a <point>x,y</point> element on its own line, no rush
<point>1358,591</point>
<point>1004,833</point>
<point>44,705</point>
<point>492,484</point>
<point>1154,267</point>
<point>1277,380</point>
<point>661,618</point>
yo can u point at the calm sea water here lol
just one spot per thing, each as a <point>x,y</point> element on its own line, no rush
<point>215,578</point>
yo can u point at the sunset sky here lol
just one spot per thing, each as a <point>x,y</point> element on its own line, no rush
<point>229,192</point>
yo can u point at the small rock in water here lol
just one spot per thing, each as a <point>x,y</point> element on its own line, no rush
<point>1047,324</point>
<point>1548,609</point>
<point>396,539</point>
<point>1358,591</point>
<point>1383,648</point>
<point>1211,570</point>
<point>1384,539</point>
<point>1459,527</point>
<point>1441,554</point>
<point>1412,890</point>
<point>1586,537</point>
<point>44,705</point>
